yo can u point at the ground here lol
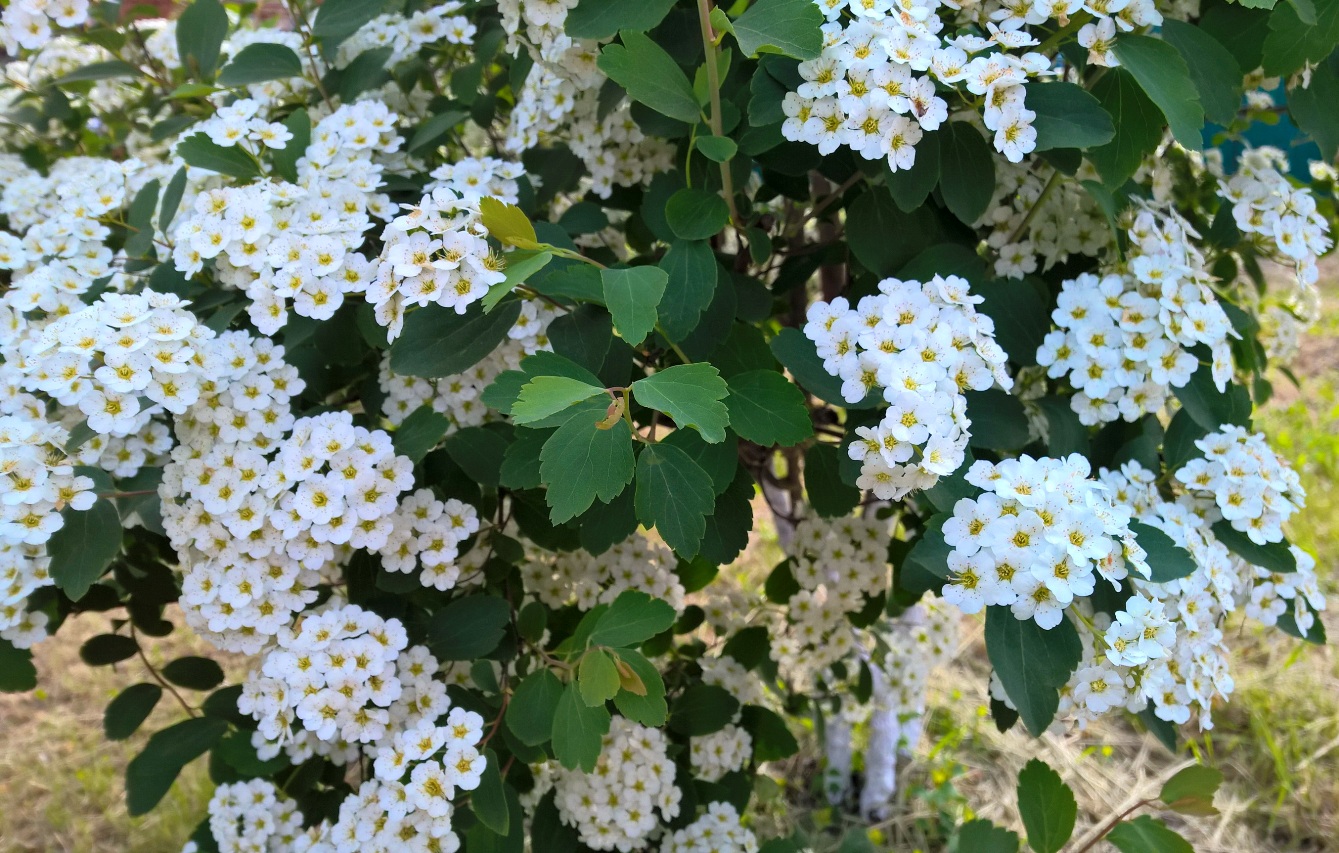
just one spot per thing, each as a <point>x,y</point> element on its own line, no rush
<point>61,781</point>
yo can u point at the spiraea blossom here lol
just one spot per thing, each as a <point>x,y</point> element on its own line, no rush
<point>920,346</point>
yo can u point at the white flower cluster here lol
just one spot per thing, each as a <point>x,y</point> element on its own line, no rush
<point>1265,203</point>
<point>730,674</point>
<point>26,24</point>
<point>919,641</point>
<point>922,346</point>
<point>718,830</point>
<point>1124,337</point>
<point>405,34</point>
<point>614,807</point>
<point>279,241</point>
<point>429,532</point>
<point>37,488</point>
<point>1063,222</point>
<point>1037,539</point>
<point>561,96</point>
<point>1254,489</point>
<point>457,396</point>
<point>719,753</point>
<point>335,672</point>
<point>836,562</point>
<point>253,817</point>
<point>587,579</point>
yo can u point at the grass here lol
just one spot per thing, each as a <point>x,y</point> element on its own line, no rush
<point>1277,741</point>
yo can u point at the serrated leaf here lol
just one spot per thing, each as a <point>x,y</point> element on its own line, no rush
<point>1162,73</point>
<point>982,836</point>
<point>828,494</point>
<point>1140,122</point>
<point>259,62</point>
<point>1213,69</point>
<point>531,710</point>
<point>548,395</point>
<point>83,548</point>
<point>1292,42</point>
<point>633,295</point>
<point>789,27</point>
<point>674,496</point>
<point>603,19</point>
<point>1047,807</point>
<point>632,619</point>
<point>1146,834</point>
<point>578,730</point>
<point>691,394</point>
<point>691,277</point>
<point>1067,116</point>
<point>650,76</point>
<point>695,214</point>
<point>768,410</point>
<point>581,462</point>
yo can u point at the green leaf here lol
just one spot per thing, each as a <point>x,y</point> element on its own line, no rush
<point>105,649</point>
<point>673,495</point>
<point>650,709</point>
<point>789,27</point>
<point>828,494</point>
<point>108,70</point>
<point>1191,790</point>
<point>199,151</point>
<point>1293,42</point>
<point>597,677</point>
<point>438,342</point>
<point>966,170</point>
<point>521,265</point>
<point>874,215</point>
<point>128,711</point>
<point>1210,407</point>
<point>531,710</point>
<point>998,420</point>
<point>286,159</point>
<point>799,356</point>
<point>650,76</point>
<point>420,433</point>
<point>435,128</point>
<point>1047,807</point>
<point>1031,663</point>
<point>507,223</point>
<point>718,149</point>
<point>691,394</point>
<point>339,19</point>
<point>719,460</point>
<point>982,836</point>
<point>479,452</point>
<point>603,19</point>
<point>17,673</point>
<point>548,395</point>
<point>1312,109</point>
<point>489,800</point>
<point>772,738</point>
<point>469,628</point>
<point>140,218</point>
<point>581,462</point>
<point>632,619</point>
<point>578,731</point>
<point>194,673</point>
<point>583,335</point>
<point>150,774</point>
<point>695,214</point>
<point>1147,834</point>
<point>1274,557</point>
<point>368,70</point>
<point>911,187</point>
<point>766,409</point>
<point>1178,445</point>
<point>1067,117</point>
<point>633,296</point>
<point>176,188</point>
<point>1140,123</point>
<point>201,28</point>
<point>1164,77</point>
<point>259,62</point>
<point>83,548</point>
<point>731,520</point>
<point>702,709</point>
<point>1167,560</point>
<point>691,270</point>
<point>1213,69</point>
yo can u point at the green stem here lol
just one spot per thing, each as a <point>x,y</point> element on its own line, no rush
<point>714,85</point>
<point>1036,206</point>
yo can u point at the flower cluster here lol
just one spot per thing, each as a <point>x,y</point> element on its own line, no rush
<point>718,830</point>
<point>1037,221</point>
<point>278,241</point>
<point>429,532</point>
<point>1124,337</point>
<point>719,753</point>
<point>1253,488</point>
<point>1284,217</point>
<point>921,345</point>
<point>26,24</point>
<point>457,396</point>
<point>587,579</point>
<point>405,34</point>
<point>614,807</point>
<point>245,817</point>
<point>1037,540</point>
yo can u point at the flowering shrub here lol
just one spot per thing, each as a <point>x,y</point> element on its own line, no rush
<point>434,361</point>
